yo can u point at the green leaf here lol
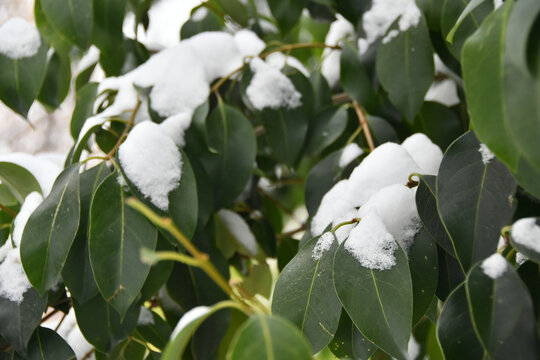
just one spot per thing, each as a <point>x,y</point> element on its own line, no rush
<point>455,330</point>
<point>305,294</point>
<point>450,274</point>
<point>352,10</point>
<point>326,128</point>
<point>210,22</point>
<point>521,33</point>
<point>157,332</point>
<point>186,327</point>
<point>110,329</point>
<point>117,233</point>
<point>21,79</point>
<point>348,342</point>
<point>432,11</point>
<point>83,108</point>
<point>236,9</point>
<point>502,312</point>
<point>321,91</point>
<point>474,200</point>
<point>46,344</point>
<point>287,12</point>
<point>232,136</point>
<point>57,81</point>
<point>286,251</point>
<point>530,275</point>
<point>107,34</point>
<point>129,349</point>
<point>405,68</point>
<point>473,4</point>
<point>159,273</point>
<point>483,76</point>
<point>50,231</point>
<point>269,337</point>
<point>77,273</point>
<point>379,302</point>
<point>441,124</point>
<point>18,180</point>
<point>70,18</point>
<point>423,265</point>
<point>18,321</point>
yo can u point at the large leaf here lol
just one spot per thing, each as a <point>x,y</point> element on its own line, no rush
<point>405,68</point>
<point>107,34</point>
<point>117,233</point>
<point>474,198</point>
<point>77,273</point>
<point>50,231</point>
<point>232,136</point>
<point>46,344</point>
<point>455,330</point>
<point>70,18</point>
<point>305,294</point>
<point>287,12</point>
<point>483,77</point>
<point>502,311</point>
<point>269,337</point>
<point>379,302</point>
<point>19,320</point>
<point>18,180</point>
<point>450,274</point>
<point>348,342</point>
<point>110,329</point>
<point>21,79</point>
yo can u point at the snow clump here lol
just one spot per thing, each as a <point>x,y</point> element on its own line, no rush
<point>487,155</point>
<point>526,232</point>
<point>19,39</point>
<point>323,245</point>
<point>494,266</point>
<point>340,30</point>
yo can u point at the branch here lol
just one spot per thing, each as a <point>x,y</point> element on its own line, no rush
<point>364,125</point>
<point>8,210</point>
<point>126,131</point>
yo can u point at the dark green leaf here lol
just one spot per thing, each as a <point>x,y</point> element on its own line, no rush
<point>50,231</point>
<point>473,4</point>
<point>352,10</point>
<point>455,330</point>
<point>441,124</point>
<point>305,294</point>
<point>128,350</point>
<point>159,273</point>
<point>269,337</point>
<point>18,180</point>
<point>286,12</point>
<point>530,275</point>
<point>70,18</point>
<point>46,344</point>
<point>156,332</point>
<point>117,233</point>
<point>326,128</point>
<point>286,251</point>
<point>77,273</point>
<point>18,321</point>
<point>450,274</point>
<point>83,108</point>
<point>502,311</point>
<point>21,79</point>
<point>432,11</point>
<point>379,302</point>
<point>348,342</point>
<point>321,91</point>
<point>474,199</point>
<point>194,26</point>
<point>107,34</point>
<point>405,68</point>
<point>236,9</point>
<point>57,81</point>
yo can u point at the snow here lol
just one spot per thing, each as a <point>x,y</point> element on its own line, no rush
<point>494,266</point>
<point>270,88</point>
<point>340,30</point>
<point>90,58</point>
<point>424,152</point>
<point>413,348</point>
<point>520,258</point>
<point>371,244</point>
<point>349,153</point>
<point>382,14</point>
<point>19,39</point>
<point>145,317</point>
<point>188,318</point>
<point>279,60</point>
<point>487,155</point>
<point>497,3</point>
<point>526,232</point>
<point>151,161</point>
<point>240,230</point>
<point>13,280</point>
<point>43,170</point>
<point>323,245</point>
<point>70,332</point>
<point>199,14</point>
<point>248,43</point>
<point>31,202</point>
<point>175,127</point>
<point>395,206</point>
<point>444,92</point>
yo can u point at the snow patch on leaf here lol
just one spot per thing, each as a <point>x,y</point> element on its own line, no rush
<point>19,39</point>
<point>487,155</point>
<point>239,230</point>
<point>188,318</point>
<point>526,232</point>
<point>494,266</point>
<point>323,245</point>
<point>145,317</point>
<point>349,153</point>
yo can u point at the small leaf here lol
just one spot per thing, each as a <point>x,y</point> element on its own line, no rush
<point>72,19</point>
<point>474,198</point>
<point>473,4</point>
<point>107,34</point>
<point>46,344</point>
<point>305,294</point>
<point>57,81</point>
<point>348,342</point>
<point>83,108</point>
<point>116,235</point>
<point>287,12</point>
<point>18,180</point>
<point>405,68</point>
<point>379,302</point>
<point>50,231</point>
<point>269,337</point>
<point>326,128</point>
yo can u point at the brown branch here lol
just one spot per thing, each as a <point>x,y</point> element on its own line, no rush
<point>88,354</point>
<point>8,210</point>
<point>364,125</point>
<point>49,315</point>
<point>126,131</point>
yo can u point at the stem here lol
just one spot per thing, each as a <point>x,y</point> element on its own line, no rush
<point>354,135</point>
<point>224,79</point>
<point>151,257</point>
<point>48,316</point>
<point>412,183</point>
<point>511,254</point>
<point>350,222</point>
<point>94,158</point>
<point>60,322</point>
<point>126,131</point>
<point>364,125</point>
<point>8,210</point>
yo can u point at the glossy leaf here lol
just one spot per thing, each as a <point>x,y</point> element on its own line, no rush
<point>455,329</point>
<point>269,337</point>
<point>194,26</point>
<point>46,344</point>
<point>107,34</point>
<point>450,274</point>
<point>474,199</point>
<point>348,342</point>
<point>18,321</point>
<point>405,68</point>
<point>379,302</point>
<point>502,313</point>
<point>117,233</point>
<point>50,231</point>
<point>286,12</point>
<point>441,124</point>
<point>21,79</point>
<point>18,180</point>
<point>326,127</point>
<point>473,4</point>
<point>57,81</point>
<point>70,18</point>
<point>305,294</point>
<point>83,108</point>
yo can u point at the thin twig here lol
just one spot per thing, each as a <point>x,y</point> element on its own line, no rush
<point>8,210</point>
<point>60,322</point>
<point>364,125</point>
<point>126,131</point>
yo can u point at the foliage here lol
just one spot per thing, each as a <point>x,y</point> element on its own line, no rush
<point>231,262</point>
